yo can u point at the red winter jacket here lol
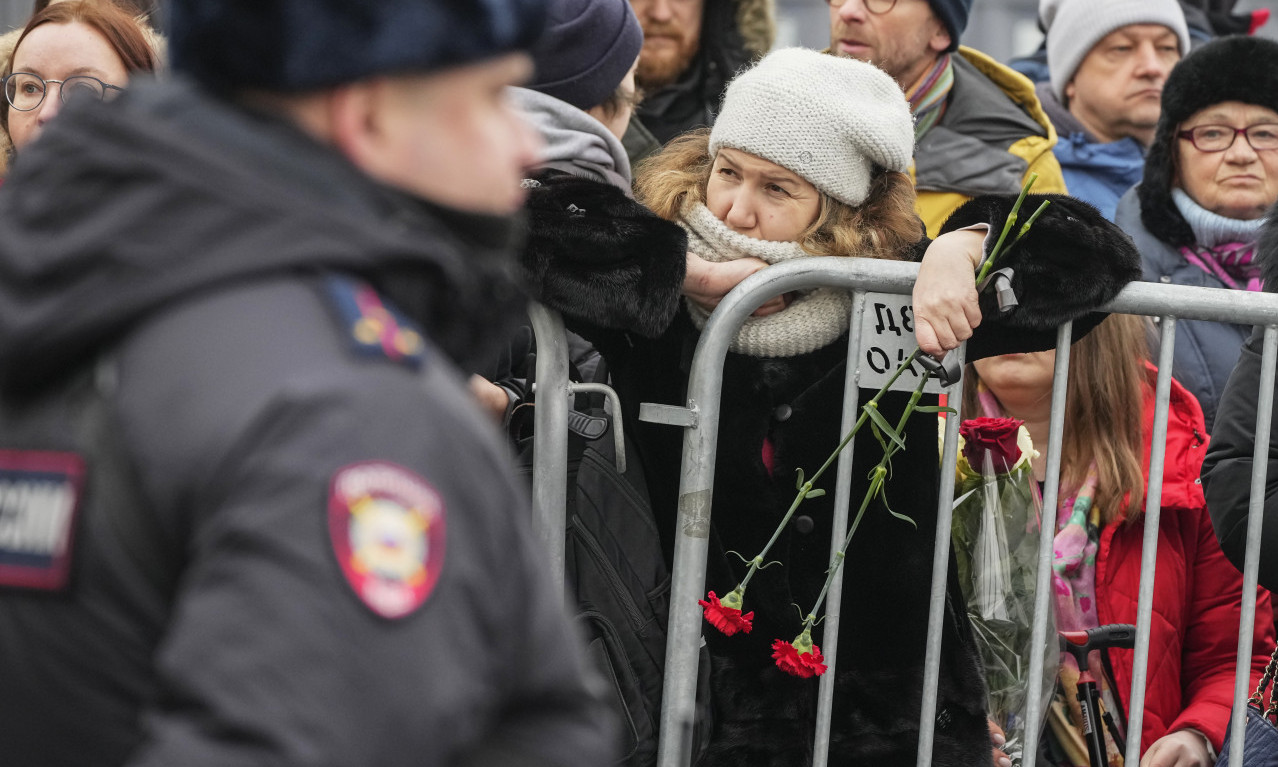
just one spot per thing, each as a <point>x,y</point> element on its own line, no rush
<point>1197,605</point>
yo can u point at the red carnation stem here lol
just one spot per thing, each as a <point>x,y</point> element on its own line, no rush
<point>879,476</point>
<point>757,562</point>
<point>880,471</point>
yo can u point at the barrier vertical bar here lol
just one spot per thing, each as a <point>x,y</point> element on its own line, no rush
<point>690,553</point>
<point>1251,561</point>
<point>839,529</point>
<point>1149,548</point>
<point>940,570</point>
<point>1047,532</point>
<point>550,427</point>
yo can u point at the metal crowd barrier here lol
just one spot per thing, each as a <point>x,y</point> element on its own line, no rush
<point>699,417</point>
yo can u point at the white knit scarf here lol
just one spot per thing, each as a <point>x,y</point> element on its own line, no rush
<point>814,319</point>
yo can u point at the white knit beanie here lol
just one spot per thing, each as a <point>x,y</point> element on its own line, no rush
<point>828,119</point>
<point>1075,26</point>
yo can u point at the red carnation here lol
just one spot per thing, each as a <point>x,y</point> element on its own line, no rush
<point>997,436</point>
<point>799,658</point>
<point>726,615</point>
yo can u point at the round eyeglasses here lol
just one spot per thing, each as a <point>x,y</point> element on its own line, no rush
<point>877,7</point>
<point>25,91</point>
<point>1218,138</point>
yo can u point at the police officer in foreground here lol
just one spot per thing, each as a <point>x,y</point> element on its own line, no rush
<point>248,512</point>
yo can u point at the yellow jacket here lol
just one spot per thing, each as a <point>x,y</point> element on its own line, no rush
<point>994,133</point>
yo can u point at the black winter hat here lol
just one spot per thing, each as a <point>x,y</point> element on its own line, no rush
<point>299,45</point>
<point>953,14</point>
<point>1232,68</point>
<point>588,47</point>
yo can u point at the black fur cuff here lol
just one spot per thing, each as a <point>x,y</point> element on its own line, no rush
<point>596,255</point>
<point>1071,261</point>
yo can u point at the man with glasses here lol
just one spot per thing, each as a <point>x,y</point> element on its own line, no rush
<point>691,49</point>
<point>1107,60</point>
<point>979,128</point>
<point>249,512</point>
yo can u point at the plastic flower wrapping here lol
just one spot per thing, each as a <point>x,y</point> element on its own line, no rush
<point>997,517</point>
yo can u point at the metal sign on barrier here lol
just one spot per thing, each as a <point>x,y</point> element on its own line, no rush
<point>887,338</point>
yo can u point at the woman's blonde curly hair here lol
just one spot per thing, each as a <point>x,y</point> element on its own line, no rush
<point>883,227</point>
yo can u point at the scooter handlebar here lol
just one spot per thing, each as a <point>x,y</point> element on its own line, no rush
<point>1080,643</point>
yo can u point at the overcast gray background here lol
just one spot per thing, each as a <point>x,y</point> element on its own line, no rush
<point>1001,28</point>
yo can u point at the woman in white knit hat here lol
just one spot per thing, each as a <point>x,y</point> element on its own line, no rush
<point>809,156</point>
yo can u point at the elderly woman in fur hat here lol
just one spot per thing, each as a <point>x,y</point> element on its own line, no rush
<point>809,157</point>
<point>1210,176</point>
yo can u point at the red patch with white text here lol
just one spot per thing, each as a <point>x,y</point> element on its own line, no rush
<point>39,500</point>
<point>387,528</point>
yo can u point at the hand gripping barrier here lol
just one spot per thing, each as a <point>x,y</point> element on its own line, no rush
<point>699,417</point>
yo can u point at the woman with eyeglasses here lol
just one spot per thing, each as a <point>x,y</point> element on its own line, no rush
<point>86,49</point>
<point>1211,175</point>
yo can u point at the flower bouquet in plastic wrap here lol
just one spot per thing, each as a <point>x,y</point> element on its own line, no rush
<point>997,514</point>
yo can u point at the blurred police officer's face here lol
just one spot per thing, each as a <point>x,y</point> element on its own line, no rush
<point>1118,87</point>
<point>671,38</point>
<point>449,136</point>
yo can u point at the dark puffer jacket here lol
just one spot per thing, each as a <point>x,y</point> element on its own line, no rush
<point>186,295</point>
<point>1227,470</point>
<point>1071,262</point>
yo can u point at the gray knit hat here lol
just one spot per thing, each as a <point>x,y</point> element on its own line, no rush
<point>1075,26</point>
<point>831,120</point>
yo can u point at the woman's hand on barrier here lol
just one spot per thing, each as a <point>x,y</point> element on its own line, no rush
<point>707,282</point>
<point>945,303</point>
<point>997,739</point>
<point>1183,748</point>
<point>492,398</point>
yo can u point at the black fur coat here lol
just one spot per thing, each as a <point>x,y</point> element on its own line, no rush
<point>1072,262</point>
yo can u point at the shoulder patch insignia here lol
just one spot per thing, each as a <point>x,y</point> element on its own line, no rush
<point>387,528</point>
<point>40,496</point>
<point>376,329</point>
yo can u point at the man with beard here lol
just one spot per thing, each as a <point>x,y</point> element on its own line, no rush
<point>979,128</point>
<point>691,49</point>
<point>249,513</point>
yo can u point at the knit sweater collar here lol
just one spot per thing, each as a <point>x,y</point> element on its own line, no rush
<point>812,320</point>
<point>1212,229</point>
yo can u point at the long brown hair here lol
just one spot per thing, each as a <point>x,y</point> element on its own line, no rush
<point>126,35</point>
<point>881,228</point>
<point>1104,410</point>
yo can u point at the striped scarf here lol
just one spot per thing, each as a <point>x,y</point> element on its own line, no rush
<point>1233,263</point>
<point>1223,247</point>
<point>927,96</point>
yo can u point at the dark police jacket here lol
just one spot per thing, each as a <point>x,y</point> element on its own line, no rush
<point>248,514</point>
